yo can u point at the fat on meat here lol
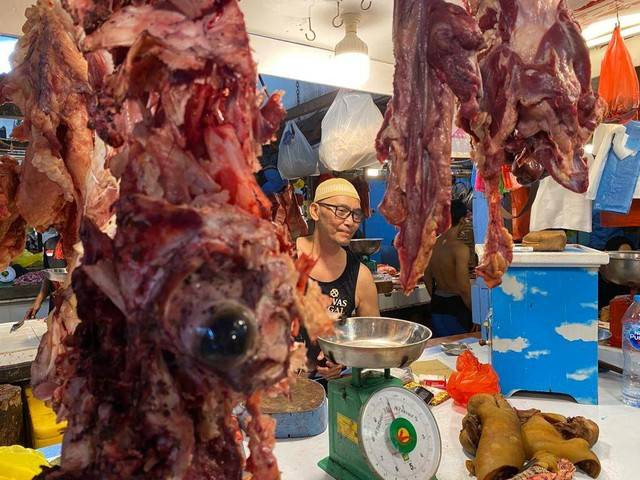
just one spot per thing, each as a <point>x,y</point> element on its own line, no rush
<point>63,176</point>
<point>435,46</point>
<point>50,86</point>
<point>190,309</point>
<point>538,107</point>
<point>49,83</point>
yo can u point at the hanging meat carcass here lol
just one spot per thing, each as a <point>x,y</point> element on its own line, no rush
<point>54,177</point>
<point>63,175</point>
<point>435,46</point>
<point>191,308</point>
<point>525,97</point>
<point>538,105</point>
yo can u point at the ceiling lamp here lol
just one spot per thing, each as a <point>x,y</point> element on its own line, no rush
<point>351,61</point>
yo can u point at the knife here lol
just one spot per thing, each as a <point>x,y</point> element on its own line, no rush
<point>16,326</point>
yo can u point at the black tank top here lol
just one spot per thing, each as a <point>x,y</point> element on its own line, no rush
<point>342,291</point>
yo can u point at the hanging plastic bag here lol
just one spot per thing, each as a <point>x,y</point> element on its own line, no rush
<point>619,82</point>
<point>349,132</point>
<point>296,158</point>
<point>472,377</point>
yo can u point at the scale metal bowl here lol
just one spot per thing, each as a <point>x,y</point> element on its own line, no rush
<point>623,269</point>
<point>375,342</point>
<point>603,335</point>
<point>365,246</point>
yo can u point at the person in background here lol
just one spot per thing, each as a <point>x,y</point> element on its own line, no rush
<point>337,215</point>
<point>53,257</point>
<point>447,276</point>
<point>607,291</point>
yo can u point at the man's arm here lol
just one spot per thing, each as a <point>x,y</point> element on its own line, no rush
<point>366,294</point>
<point>45,288</point>
<point>463,282</point>
<point>428,279</point>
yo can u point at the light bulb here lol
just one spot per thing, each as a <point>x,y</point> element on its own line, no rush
<point>352,68</point>
<point>351,62</point>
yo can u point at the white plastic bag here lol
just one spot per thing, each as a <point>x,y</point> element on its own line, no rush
<point>557,207</point>
<point>296,158</point>
<point>349,132</point>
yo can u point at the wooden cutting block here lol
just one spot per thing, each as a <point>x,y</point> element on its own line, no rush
<point>301,414</point>
<point>10,415</point>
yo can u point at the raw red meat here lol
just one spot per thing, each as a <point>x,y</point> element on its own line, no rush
<point>54,106</point>
<point>188,310</point>
<point>285,211</point>
<point>63,176</point>
<point>435,44</point>
<point>31,278</point>
<point>12,226</point>
<point>538,103</point>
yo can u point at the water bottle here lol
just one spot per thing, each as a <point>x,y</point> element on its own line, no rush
<point>631,351</point>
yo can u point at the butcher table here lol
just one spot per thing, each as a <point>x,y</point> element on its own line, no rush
<point>617,447</point>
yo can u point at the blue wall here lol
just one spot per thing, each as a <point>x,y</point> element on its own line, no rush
<point>377,227</point>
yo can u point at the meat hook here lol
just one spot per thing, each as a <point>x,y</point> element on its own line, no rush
<point>333,21</point>
<point>306,35</point>
<point>362,5</point>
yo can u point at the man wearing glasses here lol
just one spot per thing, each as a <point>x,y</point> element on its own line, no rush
<point>349,284</point>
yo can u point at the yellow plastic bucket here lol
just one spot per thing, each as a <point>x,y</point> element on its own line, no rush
<point>45,430</point>
<point>19,463</point>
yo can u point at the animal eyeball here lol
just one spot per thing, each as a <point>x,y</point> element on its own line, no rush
<point>228,334</point>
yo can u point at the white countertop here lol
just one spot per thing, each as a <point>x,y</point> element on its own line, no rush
<point>20,346</point>
<point>573,256</point>
<point>617,447</point>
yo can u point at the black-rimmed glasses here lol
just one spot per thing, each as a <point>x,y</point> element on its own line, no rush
<point>343,212</point>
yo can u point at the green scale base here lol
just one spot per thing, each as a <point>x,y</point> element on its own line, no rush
<point>347,396</point>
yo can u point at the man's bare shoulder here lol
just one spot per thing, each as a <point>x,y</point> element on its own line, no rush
<point>365,275</point>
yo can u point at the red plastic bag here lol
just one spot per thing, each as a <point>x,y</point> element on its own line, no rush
<point>471,377</point>
<point>619,82</point>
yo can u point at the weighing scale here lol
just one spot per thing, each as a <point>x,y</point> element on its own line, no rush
<point>365,248</point>
<point>377,428</point>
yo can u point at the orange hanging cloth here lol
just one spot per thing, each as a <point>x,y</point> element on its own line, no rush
<point>522,217</point>
<point>619,82</point>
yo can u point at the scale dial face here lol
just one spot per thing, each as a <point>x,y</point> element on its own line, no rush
<point>399,435</point>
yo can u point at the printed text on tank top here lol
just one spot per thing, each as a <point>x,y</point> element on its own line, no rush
<point>342,290</point>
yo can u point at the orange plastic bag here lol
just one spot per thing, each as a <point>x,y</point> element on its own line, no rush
<point>471,377</point>
<point>619,82</point>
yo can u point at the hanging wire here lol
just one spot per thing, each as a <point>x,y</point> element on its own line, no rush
<point>363,7</point>
<point>306,35</point>
<point>618,14</point>
<point>297,92</point>
<point>334,21</point>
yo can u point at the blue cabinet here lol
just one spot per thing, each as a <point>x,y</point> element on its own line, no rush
<point>480,301</point>
<point>543,326</point>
